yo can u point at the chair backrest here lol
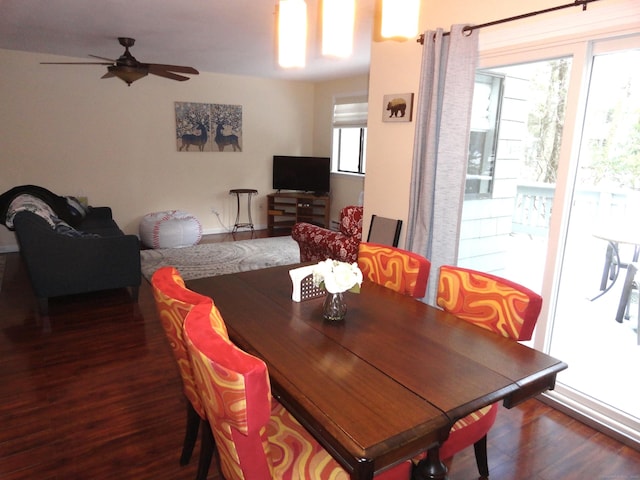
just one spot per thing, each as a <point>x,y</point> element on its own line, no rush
<point>489,301</point>
<point>173,302</point>
<point>235,386</point>
<point>351,221</point>
<point>385,231</point>
<point>397,269</point>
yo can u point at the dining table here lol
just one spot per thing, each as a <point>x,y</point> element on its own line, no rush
<point>385,384</point>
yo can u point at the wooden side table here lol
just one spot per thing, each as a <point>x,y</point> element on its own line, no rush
<point>243,191</point>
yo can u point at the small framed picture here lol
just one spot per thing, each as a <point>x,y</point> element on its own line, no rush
<point>397,107</point>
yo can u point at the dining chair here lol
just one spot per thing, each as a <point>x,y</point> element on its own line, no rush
<point>256,437</point>
<point>400,270</point>
<point>385,231</point>
<point>495,304</point>
<point>173,303</point>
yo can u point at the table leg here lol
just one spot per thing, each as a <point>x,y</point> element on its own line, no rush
<point>430,468</point>
<point>606,271</point>
<point>249,210</point>
<point>237,222</point>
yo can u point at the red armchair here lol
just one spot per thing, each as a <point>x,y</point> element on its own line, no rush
<point>317,243</point>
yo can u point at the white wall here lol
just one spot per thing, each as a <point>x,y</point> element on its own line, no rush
<point>64,128</point>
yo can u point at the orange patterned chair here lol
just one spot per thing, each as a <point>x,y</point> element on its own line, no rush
<point>257,438</point>
<point>495,304</point>
<point>317,243</point>
<point>173,302</point>
<point>394,268</point>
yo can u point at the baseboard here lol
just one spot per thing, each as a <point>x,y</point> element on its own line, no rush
<point>218,230</point>
<point>9,248</point>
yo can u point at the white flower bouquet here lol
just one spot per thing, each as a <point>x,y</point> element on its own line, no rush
<point>337,277</point>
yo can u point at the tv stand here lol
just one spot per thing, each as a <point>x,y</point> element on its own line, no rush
<point>285,209</point>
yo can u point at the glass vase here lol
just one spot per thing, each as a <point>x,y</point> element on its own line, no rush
<point>335,307</point>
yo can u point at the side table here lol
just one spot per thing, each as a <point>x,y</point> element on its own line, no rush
<point>241,191</point>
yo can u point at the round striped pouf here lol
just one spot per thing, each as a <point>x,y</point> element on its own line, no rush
<point>170,229</point>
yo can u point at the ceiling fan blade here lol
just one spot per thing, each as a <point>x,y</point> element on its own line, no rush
<point>165,74</point>
<point>75,63</point>
<point>108,75</point>
<point>103,58</point>
<point>153,67</point>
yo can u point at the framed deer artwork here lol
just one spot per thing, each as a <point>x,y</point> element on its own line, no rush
<point>208,127</point>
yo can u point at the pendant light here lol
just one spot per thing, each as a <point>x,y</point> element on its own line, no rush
<point>337,27</point>
<point>292,33</point>
<point>400,18</point>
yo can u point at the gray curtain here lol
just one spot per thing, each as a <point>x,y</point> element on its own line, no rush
<point>441,147</point>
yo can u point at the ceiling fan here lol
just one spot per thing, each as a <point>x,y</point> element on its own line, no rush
<point>128,69</point>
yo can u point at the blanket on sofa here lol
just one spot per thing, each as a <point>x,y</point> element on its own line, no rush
<point>66,209</point>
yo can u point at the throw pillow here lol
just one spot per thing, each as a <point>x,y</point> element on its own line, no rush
<point>77,209</point>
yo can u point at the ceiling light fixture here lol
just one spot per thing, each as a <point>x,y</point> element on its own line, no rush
<point>400,18</point>
<point>128,74</point>
<point>337,27</point>
<point>292,33</point>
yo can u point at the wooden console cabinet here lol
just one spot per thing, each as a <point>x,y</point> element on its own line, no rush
<point>286,209</point>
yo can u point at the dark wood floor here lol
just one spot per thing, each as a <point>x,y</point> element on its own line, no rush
<point>94,394</point>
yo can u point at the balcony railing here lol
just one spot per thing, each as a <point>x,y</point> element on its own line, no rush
<point>533,206</point>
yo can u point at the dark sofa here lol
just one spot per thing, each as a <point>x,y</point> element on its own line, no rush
<point>90,254</point>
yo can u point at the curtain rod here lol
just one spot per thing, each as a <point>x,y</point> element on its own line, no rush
<point>471,28</point>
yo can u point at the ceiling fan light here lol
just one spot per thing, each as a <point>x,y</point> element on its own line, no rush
<point>400,18</point>
<point>337,27</point>
<point>292,33</point>
<point>128,74</point>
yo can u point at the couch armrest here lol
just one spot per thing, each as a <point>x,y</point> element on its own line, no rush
<point>100,213</point>
<point>317,244</point>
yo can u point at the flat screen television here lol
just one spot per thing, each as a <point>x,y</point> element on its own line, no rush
<point>305,174</point>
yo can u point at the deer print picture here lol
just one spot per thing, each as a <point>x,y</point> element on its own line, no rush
<point>206,127</point>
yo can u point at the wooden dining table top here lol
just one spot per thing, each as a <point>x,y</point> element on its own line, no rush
<point>386,383</point>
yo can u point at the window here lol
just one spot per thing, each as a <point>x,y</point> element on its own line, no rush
<point>349,137</point>
<point>487,99</point>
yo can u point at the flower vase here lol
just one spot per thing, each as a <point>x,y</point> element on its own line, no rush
<point>335,307</point>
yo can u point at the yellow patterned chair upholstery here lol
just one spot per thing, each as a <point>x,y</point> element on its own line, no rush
<point>173,302</point>
<point>256,437</point>
<point>394,268</point>
<point>495,304</point>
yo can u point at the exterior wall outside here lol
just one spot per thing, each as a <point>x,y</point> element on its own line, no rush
<point>487,223</point>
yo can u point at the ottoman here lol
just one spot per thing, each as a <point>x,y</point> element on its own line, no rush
<point>170,229</point>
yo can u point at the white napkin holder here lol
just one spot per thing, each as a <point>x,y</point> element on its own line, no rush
<point>303,287</point>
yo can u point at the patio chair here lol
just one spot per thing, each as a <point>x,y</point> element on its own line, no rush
<point>625,297</point>
<point>495,304</point>
<point>256,436</point>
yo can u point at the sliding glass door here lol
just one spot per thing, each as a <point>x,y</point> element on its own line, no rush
<point>601,242</point>
<point>553,202</point>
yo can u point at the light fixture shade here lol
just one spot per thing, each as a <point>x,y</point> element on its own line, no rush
<point>337,27</point>
<point>292,33</point>
<point>128,74</point>
<point>400,18</point>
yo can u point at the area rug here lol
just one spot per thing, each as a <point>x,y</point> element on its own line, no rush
<point>211,259</point>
